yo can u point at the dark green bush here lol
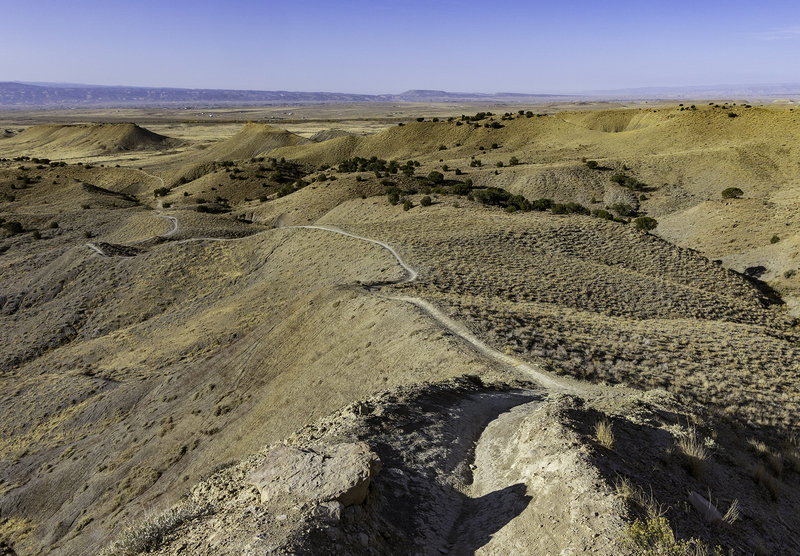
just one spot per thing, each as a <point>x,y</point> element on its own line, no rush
<point>435,177</point>
<point>462,188</point>
<point>623,209</point>
<point>627,181</point>
<point>645,223</point>
<point>426,201</point>
<point>160,192</point>
<point>408,205</point>
<point>604,214</point>
<point>732,193</point>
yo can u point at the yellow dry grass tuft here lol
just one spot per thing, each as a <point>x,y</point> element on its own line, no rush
<point>693,449</point>
<point>604,433</point>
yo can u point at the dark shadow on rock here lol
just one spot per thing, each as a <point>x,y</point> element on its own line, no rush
<point>482,517</point>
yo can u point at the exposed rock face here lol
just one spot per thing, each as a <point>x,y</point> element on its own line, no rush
<point>340,473</point>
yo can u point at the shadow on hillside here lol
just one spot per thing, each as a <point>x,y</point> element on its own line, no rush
<point>482,517</point>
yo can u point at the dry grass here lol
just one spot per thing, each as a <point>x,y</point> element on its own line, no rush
<point>732,514</point>
<point>694,451</point>
<point>603,433</point>
<point>151,532</point>
<point>644,503</point>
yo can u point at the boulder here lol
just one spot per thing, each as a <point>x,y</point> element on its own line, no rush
<point>341,473</point>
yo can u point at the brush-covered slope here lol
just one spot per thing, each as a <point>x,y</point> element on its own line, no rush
<point>254,138</point>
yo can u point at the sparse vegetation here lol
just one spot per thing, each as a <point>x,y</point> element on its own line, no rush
<point>645,223</point>
<point>732,193</point>
<point>604,434</point>
<point>150,534</point>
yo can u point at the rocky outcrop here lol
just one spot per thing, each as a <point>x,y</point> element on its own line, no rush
<point>340,473</point>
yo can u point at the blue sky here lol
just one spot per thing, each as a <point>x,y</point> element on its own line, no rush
<point>391,46</point>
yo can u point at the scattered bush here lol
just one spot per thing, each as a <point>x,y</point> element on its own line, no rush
<point>408,205</point>
<point>628,181</point>
<point>435,177</point>
<point>623,209</point>
<point>160,192</point>
<point>36,234</point>
<point>732,193</point>
<point>426,201</point>
<point>645,223</point>
<point>592,164</point>
<point>569,208</point>
<point>774,239</point>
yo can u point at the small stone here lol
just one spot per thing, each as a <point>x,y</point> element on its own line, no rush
<point>363,538</point>
<point>329,511</point>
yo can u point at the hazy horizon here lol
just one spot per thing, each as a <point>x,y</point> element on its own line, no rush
<point>385,47</point>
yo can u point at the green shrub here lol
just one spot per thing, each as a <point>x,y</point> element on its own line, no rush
<point>774,239</point>
<point>513,161</point>
<point>408,205</point>
<point>394,197</point>
<point>36,234</point>
<point>592,164</point>
<point>623,209</point>
<point>426,201</point>
<point>732,193</point>
<point>627,181</point>
<point>462,188</point>
<point>604,214</point>
<point>654,537</point>
<point>160,192</point>
<point>420,119</point>
<point>645,223</point>
<point>569,208</point>
<point>53,225</point>
<point>435,177</point>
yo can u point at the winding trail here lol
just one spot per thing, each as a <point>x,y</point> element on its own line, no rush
<point>171,232</point>
<point>456,328</point>
<point>452,326</point>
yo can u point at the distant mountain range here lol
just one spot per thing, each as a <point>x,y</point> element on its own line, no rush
<point>68,95</point>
